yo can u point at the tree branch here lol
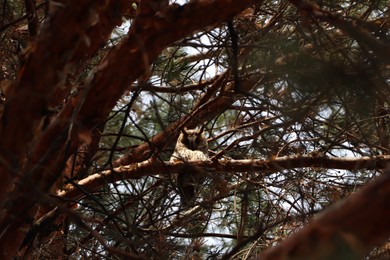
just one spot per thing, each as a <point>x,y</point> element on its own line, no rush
<point>347,230</point>
<point>151,167</point>
<point>362,36</point>
<point>37,89</point>
<point>207,111</point>
<point>32,17</point>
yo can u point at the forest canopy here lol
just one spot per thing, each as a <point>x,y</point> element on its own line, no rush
<point>292,98</point>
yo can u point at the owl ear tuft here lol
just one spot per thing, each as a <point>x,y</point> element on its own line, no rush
<point>185,130</point>
<point>201,129</point>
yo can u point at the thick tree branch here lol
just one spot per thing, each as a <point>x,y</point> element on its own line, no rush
<point>39,88</point>
<point>150,167</point>
<point>32,17</point>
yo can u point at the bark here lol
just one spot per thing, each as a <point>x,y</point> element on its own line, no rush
<point>150,167</point>
<point>44,71</point>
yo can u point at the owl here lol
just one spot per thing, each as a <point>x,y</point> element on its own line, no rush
<point>190,146</point>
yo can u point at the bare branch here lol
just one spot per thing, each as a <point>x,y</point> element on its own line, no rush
<point>150,167</point>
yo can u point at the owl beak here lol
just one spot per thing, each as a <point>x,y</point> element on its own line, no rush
<point>192,142</point>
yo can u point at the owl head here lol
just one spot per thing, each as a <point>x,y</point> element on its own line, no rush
<point>193,138</point>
